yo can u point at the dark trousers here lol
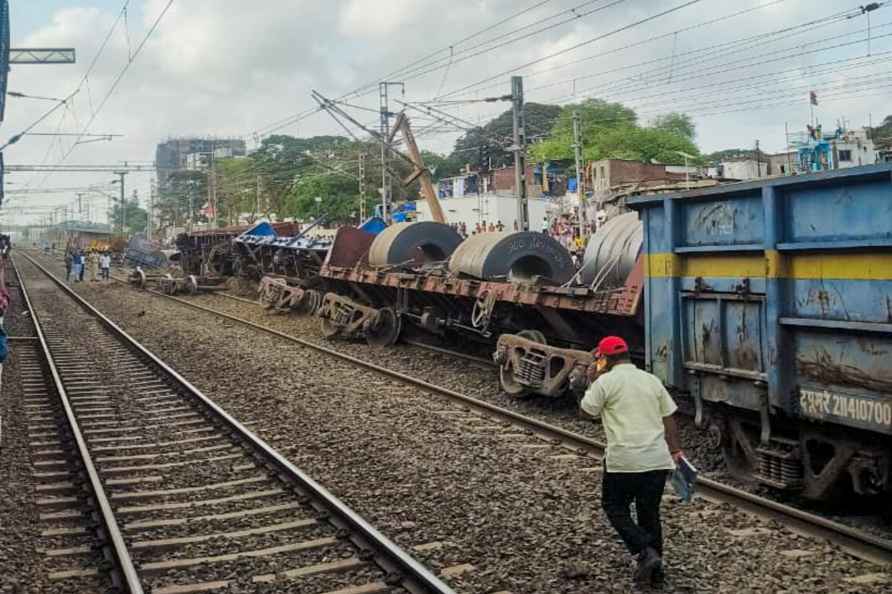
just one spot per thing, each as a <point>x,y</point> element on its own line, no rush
<point>104,273</point>
<point>619,490</point>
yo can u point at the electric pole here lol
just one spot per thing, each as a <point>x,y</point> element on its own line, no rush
<point>385,144</point>
<point>121,175</point>
<point>580,190</point>
<point>519,149</point>
<point>361,188</point>
<point>149,214</point>
<point>212,189</point>
<point>257,199</point>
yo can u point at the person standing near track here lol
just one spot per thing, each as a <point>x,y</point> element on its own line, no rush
<point>642,447</point>
<point>75,265</point>
<point>94,266</point>
<point>81,265</point>
<point>105,265</point>
<point>69,263</point>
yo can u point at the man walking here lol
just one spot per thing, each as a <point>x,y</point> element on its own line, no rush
<point>105,265</point>
<point>642,444</point>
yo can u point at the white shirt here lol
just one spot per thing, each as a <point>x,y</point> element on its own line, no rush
<point>105,261</point>
<point>632,404</point>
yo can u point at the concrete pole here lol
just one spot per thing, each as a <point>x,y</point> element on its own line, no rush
<point>577,153</point>
<point>519,148</point>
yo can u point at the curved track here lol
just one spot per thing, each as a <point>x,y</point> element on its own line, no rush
<point>860,543</point>
<point>189,498</point>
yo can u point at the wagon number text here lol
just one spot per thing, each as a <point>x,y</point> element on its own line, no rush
<point>824,404</point>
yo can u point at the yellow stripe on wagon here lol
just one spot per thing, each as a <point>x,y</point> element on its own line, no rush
<point>771,264</point>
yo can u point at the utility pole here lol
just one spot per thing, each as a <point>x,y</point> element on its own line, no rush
<point>519,149</point>
<point>150,212</point>
<point>80,206</point>
<point>580,190</point>
<point>758,160</point>
<point>121,175</point>
<point>257,199</point>
<point>385,144</point>
<point>212,189</point>
<point>135,198</point>
<point>361,188</point>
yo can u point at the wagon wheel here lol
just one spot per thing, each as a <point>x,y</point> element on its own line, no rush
<point>509,383</point>
<point>534,335</point>
<point>139,278</point>
<point>310,302</point>
<point>169,285</point>
<point>386,328</point>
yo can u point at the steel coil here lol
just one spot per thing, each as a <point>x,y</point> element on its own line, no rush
<point>417,243</point>
<point>516,257</point>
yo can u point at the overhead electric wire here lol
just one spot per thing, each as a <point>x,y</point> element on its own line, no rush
<point>470,53</point>
<point>85,80</point>
<point>408,73</point>
<point>723,18</point>
<point>292,119</point>
<point>122,73</point>
<point>15,138</point>
<point>724,48</point>
<point>759,60</point>
<point>591,40</point>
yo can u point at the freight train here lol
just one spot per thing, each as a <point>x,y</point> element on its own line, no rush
<point>765,306</point>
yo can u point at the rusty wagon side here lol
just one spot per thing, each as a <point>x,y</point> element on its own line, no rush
<point>770,304</point>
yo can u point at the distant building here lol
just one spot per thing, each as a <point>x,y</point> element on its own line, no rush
<point>610,174</point>
<point>818,150</point>
<point>193,153</point>
<point>743,169</point>
<point>782,163</point>
<point>854,148</point>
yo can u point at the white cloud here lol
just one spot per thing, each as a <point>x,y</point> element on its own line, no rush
<point>231,67</point>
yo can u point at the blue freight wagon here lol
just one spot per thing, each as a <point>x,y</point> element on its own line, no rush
<point>769,304</point>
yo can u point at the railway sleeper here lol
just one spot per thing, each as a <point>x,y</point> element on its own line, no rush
<point>527,365</point>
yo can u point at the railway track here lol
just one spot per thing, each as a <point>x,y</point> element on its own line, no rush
<point>73,548</point>
<point>859,543</point>
<point>187,498</point>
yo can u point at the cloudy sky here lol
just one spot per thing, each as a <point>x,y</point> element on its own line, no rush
<point>230,67</point>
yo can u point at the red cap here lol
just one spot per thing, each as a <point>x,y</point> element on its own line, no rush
<point>611,345</point>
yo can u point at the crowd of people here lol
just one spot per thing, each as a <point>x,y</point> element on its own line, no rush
<point>480,227</point>
<point>562,230</point>
<point>77,261</point>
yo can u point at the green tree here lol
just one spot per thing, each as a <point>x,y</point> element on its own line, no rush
<point>237,189</point>
<point>134,217</point>
<point>611,131</point>
<point>281,159</point>
<point>181,197</point>
<point>882,134</point>
<point>678,123</point>
<point>497,135</point>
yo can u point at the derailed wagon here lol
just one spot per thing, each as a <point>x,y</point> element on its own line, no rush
<point>518,292</point>
<point>770,305</point>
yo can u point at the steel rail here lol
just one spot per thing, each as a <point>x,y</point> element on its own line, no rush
<point>418,577</point>
<point>859,543</point>
<point>119,546</point>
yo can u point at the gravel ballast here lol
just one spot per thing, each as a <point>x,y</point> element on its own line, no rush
<point>526,517</point>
